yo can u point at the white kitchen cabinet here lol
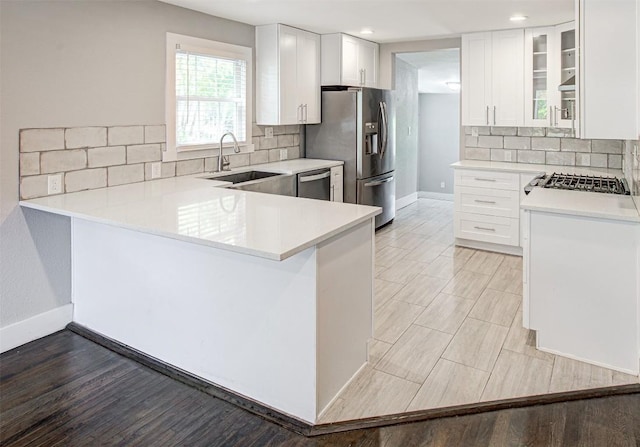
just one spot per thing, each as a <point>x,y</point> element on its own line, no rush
<point>550,60</point>
<point>608,69</point>
<point>287,75</point>
<point>493,78</point>
<point>348,60</point>
<point>337,184</point>
<point>487,209</point>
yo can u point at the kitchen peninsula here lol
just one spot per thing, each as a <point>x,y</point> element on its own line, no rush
<point>265,295</point>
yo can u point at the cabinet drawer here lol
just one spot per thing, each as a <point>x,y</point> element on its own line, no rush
<point>496,230</point>
<point>490,202</point>
<point>487,179</point>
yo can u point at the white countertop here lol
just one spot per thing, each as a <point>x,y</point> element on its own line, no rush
<point>580,203</point>
<point>193,209</point>
<point>295,166</point>
<point>576,203</point>
<point>534,168</point>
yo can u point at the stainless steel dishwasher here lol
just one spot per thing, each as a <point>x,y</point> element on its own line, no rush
<point>315,184</point>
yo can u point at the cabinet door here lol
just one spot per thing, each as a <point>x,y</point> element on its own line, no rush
<point>565,66</point>
<point>507,108</point>
<point>368,61</point>
<point>308,78</point>
<point>539,89</point>
<point>476,79</point>
<point>350,65</point>
<point>288,54</point>
<point>608,71</point>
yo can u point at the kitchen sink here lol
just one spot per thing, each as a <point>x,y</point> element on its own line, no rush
<point>241,177</point>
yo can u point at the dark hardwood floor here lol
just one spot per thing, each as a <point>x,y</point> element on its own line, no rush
<point>65,390</point>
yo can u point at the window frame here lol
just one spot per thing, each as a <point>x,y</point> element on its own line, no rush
<point>215,49</point>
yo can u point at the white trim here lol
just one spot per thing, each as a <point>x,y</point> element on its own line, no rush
<point>406,200</point>
<point>219,48</point>
<point>435,195</point>
<point>36,327</point>
<point>488,246</point>
<point>591,362</point>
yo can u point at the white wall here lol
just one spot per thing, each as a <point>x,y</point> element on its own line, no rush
<point>71,64</point>
<point>405,117</point>
<point>389,50</point>
<point>438,141</point>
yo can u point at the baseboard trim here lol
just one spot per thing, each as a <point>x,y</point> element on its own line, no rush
<point>406,200</point>
<point>488,246</point>
<point>33,328</point>
<point>435,195</point>
<point>309,430</point>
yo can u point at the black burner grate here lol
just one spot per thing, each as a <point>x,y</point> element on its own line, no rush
<point>609,185</point>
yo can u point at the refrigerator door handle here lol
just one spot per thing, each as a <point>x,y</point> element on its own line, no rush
<point>379,182</point>
<point>383,141</point>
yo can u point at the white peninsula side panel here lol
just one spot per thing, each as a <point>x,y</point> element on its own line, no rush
<point>252,325</point>
<point>582,288</point>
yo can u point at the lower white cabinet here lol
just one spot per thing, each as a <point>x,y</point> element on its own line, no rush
<point>337,184</point>
<point>487,207</point>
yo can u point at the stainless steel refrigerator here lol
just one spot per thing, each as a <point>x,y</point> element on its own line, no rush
<point>355,128</point>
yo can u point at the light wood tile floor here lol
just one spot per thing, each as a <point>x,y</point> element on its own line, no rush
<point>447,327</point>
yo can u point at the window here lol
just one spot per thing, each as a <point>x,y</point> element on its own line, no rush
<point>208,94</point>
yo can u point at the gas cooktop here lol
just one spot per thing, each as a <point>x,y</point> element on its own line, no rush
<point>589,183</point>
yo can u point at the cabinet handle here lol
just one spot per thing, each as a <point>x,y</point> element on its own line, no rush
<point>573,119</point>
<point>485,228</point>
<point>362,76</point>
<point>487,115</point>
<point>485,201</point>
<point>299,113</point>
<point>305,114</point>
<point>480,179</point>
<point>494,115</point>
<point>550,116</point>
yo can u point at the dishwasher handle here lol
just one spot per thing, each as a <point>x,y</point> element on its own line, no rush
<point>313,178</point>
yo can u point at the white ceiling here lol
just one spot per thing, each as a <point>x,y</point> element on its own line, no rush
<point>391,20</point>
<point>435,69</point>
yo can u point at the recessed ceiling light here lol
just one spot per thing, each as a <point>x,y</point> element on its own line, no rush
<point>366,31</point>
<point>518,18</point>
<point>453,85</point>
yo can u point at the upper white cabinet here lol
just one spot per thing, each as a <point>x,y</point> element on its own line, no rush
<point>493,78</point>
<point>608,69</point>
<point>347,60</point>
<point>287,75</point>
<point>550,60</point>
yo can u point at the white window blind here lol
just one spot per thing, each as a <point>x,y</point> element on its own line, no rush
<point>211,98</point>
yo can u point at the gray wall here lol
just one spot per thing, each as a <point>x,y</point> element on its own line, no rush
<point>68,64</point>
<point>438,141</point>
<point>405,116</point>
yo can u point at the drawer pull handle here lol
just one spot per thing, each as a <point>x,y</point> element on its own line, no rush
<point>485,228</point>
<point>480,179</point>
<point>485,201</point>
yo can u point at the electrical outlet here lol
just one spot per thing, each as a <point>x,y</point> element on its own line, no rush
<point>268,132</point>
<point>54,184</point>
<point>474,131</point>
<point>283,154</point>
<point>156,170</point>
<point>507,156</point>
<point>442,185</point>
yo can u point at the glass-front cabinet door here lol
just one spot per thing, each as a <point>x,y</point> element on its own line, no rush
<point>551,60</point>
<point>538,48</point>
<point>566,108</point>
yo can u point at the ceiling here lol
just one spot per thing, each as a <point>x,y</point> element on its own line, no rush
<point>391,20</point>
<point>435,69</point>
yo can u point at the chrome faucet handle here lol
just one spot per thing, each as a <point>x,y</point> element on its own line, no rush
<point>226,164</point>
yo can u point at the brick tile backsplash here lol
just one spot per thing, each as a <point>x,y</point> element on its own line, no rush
<point>98,156</point>
<point>539,145</point>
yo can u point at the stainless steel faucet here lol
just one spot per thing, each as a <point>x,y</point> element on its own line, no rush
<point>224,166</point>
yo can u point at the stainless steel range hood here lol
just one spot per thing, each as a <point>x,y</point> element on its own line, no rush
<point>569,85</point>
